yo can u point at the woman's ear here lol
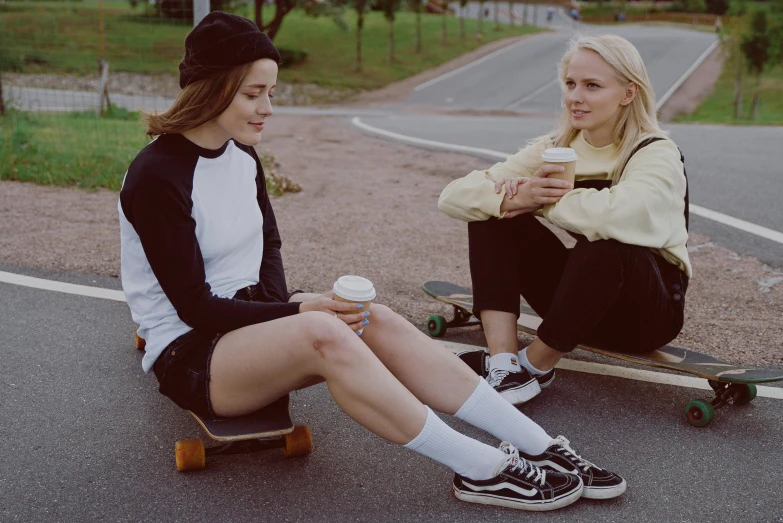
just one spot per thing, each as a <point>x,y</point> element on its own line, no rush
<point>630,93</point>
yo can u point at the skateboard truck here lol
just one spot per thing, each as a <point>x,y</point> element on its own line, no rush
<point>700,412</point>
<point>438,325</point>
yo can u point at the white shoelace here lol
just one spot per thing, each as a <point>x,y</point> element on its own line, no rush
<point>564,447</point>
<point>496,377</point>
<point>526,468</point>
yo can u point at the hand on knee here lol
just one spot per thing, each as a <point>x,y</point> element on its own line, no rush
<point>330,337</point>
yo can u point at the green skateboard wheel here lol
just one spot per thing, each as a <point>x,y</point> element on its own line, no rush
<point>745,394</point>
<point>436,326</point>
<point>699,413</point>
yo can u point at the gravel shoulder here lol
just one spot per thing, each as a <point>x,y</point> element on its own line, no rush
<point>369,207</point>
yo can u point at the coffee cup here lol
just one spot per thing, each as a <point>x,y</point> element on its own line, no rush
<point>354,289</point>
<point>564,157</point>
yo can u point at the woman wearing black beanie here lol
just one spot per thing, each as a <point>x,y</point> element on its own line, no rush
<point>203,276</point>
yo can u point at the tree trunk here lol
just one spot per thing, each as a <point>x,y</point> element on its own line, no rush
<point>738,88</point>
<point>754,104</point>
<point>2,100</point>
<point>480,25</point>
<point>511,13</point>
<point>524,14</point>
<point>417,45</point>
<point>259,13</point>
<point>497,20</point>
<point>282,8</point>
<point>462,23</point>
<point>443,22</point>
<point>359,27</point>
<point>391,41</point>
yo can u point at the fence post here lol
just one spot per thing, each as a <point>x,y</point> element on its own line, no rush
<point>200,10</point>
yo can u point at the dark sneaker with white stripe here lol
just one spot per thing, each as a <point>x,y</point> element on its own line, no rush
<point>545,380</point>
<point>598,483</point>
<point>521,485</point>
<point>514,387</point>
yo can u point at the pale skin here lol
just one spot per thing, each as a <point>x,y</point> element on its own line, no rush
<point>594,98</point>
<point>380,369</point>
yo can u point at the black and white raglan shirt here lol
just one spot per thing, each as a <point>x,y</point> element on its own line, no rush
<point>196,226</point>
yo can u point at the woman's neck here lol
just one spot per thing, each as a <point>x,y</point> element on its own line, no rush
<point>207,135</point>
<point>598,137</point>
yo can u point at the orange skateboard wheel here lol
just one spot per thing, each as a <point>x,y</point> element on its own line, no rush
<point>138,341</point>
<point>298,443</point>
<point>190,454</point>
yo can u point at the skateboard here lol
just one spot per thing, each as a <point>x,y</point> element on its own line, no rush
<point>268,428</point>
<point>265,429</point>
<point>732,384</point>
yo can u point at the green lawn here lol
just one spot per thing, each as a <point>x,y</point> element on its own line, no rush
<point>718,107</point>
<point>63,37</point>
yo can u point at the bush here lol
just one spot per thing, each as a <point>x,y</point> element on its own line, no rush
<point>688,6</point>
<point>291,57</point>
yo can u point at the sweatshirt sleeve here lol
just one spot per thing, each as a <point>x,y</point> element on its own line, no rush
<point>645,208</point>
<point>271,275</point>
<point>473,197</point>
<point>160,212</point>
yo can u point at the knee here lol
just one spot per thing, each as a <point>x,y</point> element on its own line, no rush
<point>381,315</point>
<point>329,336</point>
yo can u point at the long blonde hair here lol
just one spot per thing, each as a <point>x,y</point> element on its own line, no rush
<point>637,119</point>
<point>198,102</point>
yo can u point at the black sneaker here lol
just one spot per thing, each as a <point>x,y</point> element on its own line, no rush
<point>514,387</point>
<point>560,457</point>
<point>545,380</point>
<point>521,485</point>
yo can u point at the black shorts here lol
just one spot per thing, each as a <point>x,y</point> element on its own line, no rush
<point>182,370</point>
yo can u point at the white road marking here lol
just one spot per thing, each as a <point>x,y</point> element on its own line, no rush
<point>725,219</point>
<point>58,286</point>
<point>633,374</point>
<point>465,67</point>
<point>532,95</point>
<point>686,75</point>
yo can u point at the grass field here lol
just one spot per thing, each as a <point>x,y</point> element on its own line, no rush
<point>56,37</point>
<point>718,107</point>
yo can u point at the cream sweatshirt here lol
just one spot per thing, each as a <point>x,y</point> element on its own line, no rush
<point>645,208</point>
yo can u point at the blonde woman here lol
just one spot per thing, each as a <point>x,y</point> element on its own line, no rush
<point>622,287</point>
<point>203,275</point>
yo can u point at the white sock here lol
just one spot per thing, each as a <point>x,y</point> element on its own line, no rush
<point>523,361</point>
<point>488,411</point>
<point>505,361</point>
<point>465,456</point>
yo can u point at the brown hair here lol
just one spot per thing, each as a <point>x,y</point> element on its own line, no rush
<point>198,102</point>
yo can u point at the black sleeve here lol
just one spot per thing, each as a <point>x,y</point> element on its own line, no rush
<point>159,208</point>
<point>271,279</point>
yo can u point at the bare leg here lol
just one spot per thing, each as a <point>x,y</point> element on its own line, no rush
<point>255,365</point>
<point>432,373</point>
<point>542,356</point>
<point>500,329</point>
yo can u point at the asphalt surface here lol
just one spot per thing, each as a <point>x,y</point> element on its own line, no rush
<point>88,438</point>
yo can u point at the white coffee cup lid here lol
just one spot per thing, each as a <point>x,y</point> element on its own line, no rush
<point>559,155</point>
<point>354,288</point>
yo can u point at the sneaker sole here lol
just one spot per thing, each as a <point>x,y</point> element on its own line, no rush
<point>521,394</point>
<point>533,506</point>
<point>604,492</point>
<point>547,383</point>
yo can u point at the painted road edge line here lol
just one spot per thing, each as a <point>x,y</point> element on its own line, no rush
<point>725,219</point>
<point>566,364</point>
<point>686,75</point>
<point>465,67</point>
<point>57,286</point>
<point>590,367</point>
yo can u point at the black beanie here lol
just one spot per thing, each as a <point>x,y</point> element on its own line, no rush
<point>222,41</point>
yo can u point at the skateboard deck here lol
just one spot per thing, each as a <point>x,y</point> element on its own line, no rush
<point>732,384</point>
<point>268,428</point>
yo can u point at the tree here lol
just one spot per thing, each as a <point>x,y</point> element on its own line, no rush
<point>282,8</point>
<point>462,5</point>
<point>755,45</point>
<point>443,16</point>
<point>417,10</point>
<point>511,12</point>
<point>361,7</point>
<point>496,13</point>
<point>390,8</point>
<point>480,17</point>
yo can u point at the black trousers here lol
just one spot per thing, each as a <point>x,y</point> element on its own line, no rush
<point>604,294</point>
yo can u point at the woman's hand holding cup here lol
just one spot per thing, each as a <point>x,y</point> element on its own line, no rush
<point>353,314</point>
<point>538,191</point>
